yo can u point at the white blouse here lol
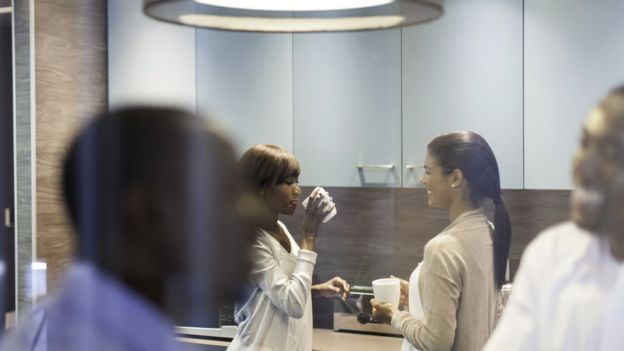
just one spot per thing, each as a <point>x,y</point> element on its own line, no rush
<point>277,312</point>
<point>415,306</point>
<point>567,295</point>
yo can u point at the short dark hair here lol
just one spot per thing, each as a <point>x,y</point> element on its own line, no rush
<point>157,203</point>
<point>470,153</point>
<point>264,165</point>
<point>153,150</point>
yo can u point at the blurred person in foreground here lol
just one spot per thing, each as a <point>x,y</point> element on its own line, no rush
<point>569,290</point>
<point>155,201</point>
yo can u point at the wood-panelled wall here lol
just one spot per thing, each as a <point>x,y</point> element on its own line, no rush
<point>71,84</point>
<point>383,231</point>
<point>379,232</point>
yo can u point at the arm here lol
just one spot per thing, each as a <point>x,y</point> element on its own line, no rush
<point>288,293</point>
<point>440,299</point>
<point>336,286</point>
<point>440,295</point>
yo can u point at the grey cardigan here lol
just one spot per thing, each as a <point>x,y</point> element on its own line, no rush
<point>457,289</point>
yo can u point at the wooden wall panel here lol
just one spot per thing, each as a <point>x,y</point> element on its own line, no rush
<point>378,232</point>
<point>71,84</point>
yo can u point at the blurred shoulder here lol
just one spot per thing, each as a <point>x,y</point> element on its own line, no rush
<point>563,236</point>
<point>563,240</point>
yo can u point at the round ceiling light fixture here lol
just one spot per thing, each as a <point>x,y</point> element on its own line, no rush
<point>294,15</point>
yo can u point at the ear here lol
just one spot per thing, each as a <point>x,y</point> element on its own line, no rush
<point>456,178</point>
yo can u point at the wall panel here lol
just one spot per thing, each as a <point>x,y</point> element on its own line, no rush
<point>149,61</point>
<point>245,83</point>
<point>70,85</point>
<point>573,57</point>
<point>464,72</point>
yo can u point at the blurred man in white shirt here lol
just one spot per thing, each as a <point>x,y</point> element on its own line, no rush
<point>569,291</point>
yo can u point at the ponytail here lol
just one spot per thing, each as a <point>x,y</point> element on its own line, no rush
<point>501,241</point>
<point>470,153</point>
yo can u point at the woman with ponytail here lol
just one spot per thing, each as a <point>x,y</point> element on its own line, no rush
<point>452,296</point>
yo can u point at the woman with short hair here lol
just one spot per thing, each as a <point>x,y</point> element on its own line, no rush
<point>276,313</point>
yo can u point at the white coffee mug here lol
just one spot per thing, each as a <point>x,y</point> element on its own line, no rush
<point>387,290</point>
<point>325,194</point>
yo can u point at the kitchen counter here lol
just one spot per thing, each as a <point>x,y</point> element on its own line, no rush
<point>324,340</point>
<point>329,340</point>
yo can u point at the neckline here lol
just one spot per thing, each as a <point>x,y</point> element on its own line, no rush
<point>463,215</point>
<point>288,236</point>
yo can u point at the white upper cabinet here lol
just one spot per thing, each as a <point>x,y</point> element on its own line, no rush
<point>574,54</point>
<point>149,62</point>
<point>464,72</point>
<point>244,82</point>
<point>347,108</point>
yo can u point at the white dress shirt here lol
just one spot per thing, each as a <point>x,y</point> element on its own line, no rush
<point>277,313</point>
<point>568,295</point>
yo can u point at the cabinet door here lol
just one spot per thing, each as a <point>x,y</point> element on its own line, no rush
<point>244,81</point>
<point>464,72</point>
<point>347,108</point>
<point>573,57</point>
<point>149,61</point>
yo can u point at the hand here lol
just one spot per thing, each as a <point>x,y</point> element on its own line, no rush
<point>404,300</point>
<point>334,286</point>
<point>318,207</point>
<point>383,312</point>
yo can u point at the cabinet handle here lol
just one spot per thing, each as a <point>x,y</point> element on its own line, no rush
<point>361,166</point>
<point>7,218</point>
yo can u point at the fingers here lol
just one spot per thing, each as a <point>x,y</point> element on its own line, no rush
<point>317,199</point>
<point>315,191</point>
<point>329,208</point>
<point>320,200</point>
<point>340,282</point>
<point>343,286</point>
<point>311,197</point>
<point>378,310</point>
<point>380,306</point>
<point>315,205</point>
